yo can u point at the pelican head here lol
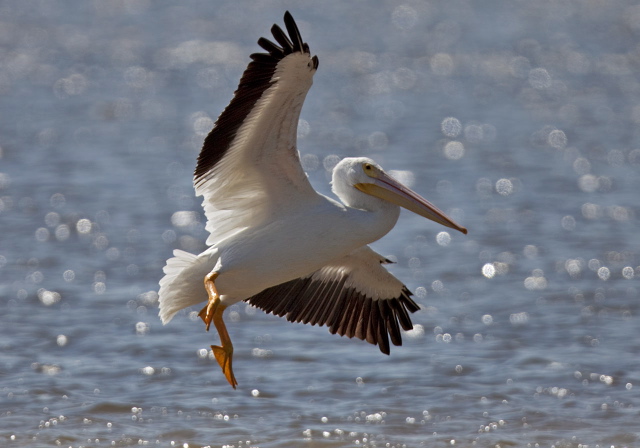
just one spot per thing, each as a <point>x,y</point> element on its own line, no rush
<point>368,177</point>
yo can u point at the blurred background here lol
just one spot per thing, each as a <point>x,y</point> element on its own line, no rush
<point>518,118</point>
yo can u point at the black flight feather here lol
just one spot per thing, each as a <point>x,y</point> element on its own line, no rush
<point>347,312</point>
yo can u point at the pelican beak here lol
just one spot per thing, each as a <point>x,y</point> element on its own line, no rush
<point>387,188</point>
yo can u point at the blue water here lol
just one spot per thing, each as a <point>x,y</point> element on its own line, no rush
<point>520,119</point>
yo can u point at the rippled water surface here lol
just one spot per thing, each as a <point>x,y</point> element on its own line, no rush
<point>519,118</point>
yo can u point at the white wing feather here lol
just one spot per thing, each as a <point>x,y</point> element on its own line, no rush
<point>364,273</point>
<point>260,174</point>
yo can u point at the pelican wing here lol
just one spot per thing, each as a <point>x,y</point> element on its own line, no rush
<point>249,168</point>
<point>353,296</point>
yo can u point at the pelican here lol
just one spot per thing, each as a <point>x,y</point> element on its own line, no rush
<point>274,241</point>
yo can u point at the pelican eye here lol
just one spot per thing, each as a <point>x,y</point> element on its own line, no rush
<point>369,170</point>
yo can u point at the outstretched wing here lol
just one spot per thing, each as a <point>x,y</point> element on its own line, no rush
<point>353,296</point>
<point>249,168</point>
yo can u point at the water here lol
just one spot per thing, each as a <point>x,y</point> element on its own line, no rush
<point>518,118</point>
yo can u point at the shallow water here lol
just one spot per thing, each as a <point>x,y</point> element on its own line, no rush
<point>520,119</point>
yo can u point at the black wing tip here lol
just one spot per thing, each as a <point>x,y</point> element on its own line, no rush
<point>294,32</point>
<point>272,48</point>
<point>290,42</point>
<point>408,302</point>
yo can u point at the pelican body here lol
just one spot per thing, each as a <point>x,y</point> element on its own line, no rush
<point>274,241</point>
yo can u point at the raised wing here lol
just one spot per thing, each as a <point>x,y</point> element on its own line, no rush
<point>353,296</point>
<point>249,167</point>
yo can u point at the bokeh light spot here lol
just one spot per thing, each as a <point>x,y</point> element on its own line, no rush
<point>184,218</point>
<point>68,275</point>
<point>304,128</point>
<point>604,273</point>
<point>443,238</point>
<point>588,183</point>
<point>504,187</point>
<point>488,270</point>
<point>581,166</point>
<point>454,150</point>
<point>539,79</point>
<point>568,223</point>
<point>330,162</point>
<point>557,139</point>
<point>42,234</point>
<point>61,340</point>
<point>474,133</point>
<point>519,318</point>
<point>451,127</point>
<point>48,298</point>
<point>62,232</point>
<point>83,226</point>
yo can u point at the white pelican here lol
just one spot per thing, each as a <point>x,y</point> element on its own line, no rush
<point>274,241</point>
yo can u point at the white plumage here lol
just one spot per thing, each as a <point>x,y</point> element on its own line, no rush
<point>274,241</point>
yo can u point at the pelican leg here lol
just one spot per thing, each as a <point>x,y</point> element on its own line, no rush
<point>223,352</point>
<point>212,312</point>
<point>206,313</point>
